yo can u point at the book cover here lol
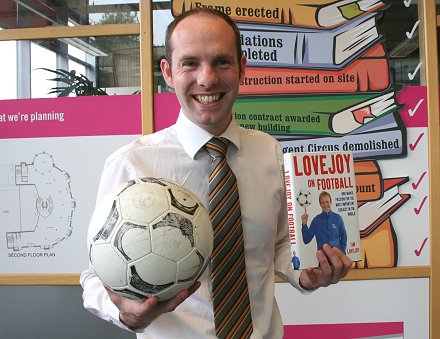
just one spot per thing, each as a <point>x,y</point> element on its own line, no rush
<point>299,47</point>
<point>321,204</point>
<point>308,13</point>
<point>368,73</point>
<point>334,115</point>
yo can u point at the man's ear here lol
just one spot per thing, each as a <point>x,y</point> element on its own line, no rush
<point>166,72</point>
<point>243,61</point>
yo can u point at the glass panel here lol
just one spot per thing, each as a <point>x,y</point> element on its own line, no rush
<point>8,69</point>
<point>120,67</point>
<point>399,25</point>
<point>41,58</point>
<point>34,13</point>
<point>111,65</point>
<point>161,19</point>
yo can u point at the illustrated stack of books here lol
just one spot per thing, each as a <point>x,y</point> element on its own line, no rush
<point>318,79</point>
<point>317,74</point>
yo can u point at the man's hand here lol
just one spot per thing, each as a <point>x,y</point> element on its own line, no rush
<point>333,266</point>
<point>304,218</point>
<point>141,313</point>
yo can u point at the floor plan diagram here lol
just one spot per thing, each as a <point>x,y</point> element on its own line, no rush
<point>36,203</point>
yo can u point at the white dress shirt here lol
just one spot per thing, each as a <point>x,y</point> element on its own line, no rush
<point>176,154</point>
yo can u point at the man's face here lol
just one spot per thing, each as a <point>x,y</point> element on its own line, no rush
<point>204,71</point>
<point>326,203</point>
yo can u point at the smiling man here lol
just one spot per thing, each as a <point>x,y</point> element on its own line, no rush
<point>204,64</point>
<point>327,227</point>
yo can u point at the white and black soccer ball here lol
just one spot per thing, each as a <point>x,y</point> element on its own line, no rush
<point>150,237</point>
<point>304,198</point>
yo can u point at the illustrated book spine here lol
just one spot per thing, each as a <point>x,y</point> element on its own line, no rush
<point>318,115</point>
<point>368,73</point>
<point>381,139</point>
<point>307,13</point>
<point>321,204</point>
<point>298,47</point>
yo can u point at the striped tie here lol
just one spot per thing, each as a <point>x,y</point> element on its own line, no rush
<point>229,286</point>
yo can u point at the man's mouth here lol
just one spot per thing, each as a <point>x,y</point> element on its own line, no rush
<point>208,99</point>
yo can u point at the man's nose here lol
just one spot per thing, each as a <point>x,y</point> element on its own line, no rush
<point>207,76</point>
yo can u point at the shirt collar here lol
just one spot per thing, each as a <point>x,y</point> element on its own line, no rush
<point>193,137</point>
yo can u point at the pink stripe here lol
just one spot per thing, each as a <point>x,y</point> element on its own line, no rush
<point>414,113</point>
<point>71,116</point>
<point>343,331</point>
<point>166,110</point>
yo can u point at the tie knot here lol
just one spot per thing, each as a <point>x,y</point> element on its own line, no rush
<point>217,146</point>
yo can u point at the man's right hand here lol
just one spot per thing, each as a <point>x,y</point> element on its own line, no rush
<point>304,218</point>
<point>138,314</point>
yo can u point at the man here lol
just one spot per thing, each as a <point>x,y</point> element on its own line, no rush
<point>327,227</point>
<point>205,66</point>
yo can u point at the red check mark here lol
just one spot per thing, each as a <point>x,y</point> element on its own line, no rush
<point>414,145</point>
<point>419,209</point>
<point>415,185</point>
<point>419,251</point>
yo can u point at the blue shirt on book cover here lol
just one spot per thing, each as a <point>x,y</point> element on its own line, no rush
<point>327,227</point>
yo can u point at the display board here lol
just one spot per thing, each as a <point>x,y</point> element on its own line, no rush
<point>53,151</point>
<point>397,150</point>
<point>329,86</point>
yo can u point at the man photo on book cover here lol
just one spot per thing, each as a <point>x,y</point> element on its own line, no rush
<point>327,227</point>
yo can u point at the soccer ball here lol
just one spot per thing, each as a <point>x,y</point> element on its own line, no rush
<point>304,198</point>
<point>150,237</point>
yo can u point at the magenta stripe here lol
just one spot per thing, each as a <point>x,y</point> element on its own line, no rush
<point>344,331</point>
<point>72,116</point>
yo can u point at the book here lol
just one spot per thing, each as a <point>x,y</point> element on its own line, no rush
<point>321,205</point>
<point>299,47</point>
<point>368,73</point>
<point>369,181</point>
<point>334,115</point>
<point>308,13</point>
<point>384,138</point>
<point>378,236</point>
<point>372,213</point>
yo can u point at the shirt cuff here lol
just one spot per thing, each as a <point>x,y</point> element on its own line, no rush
<point>113,313</point>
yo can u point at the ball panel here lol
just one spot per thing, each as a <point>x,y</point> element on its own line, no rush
<point>153,180</point>
<point>153,273</point>
<point>106,215</point>
<point>188,269</point>
<point>204,234</point>
<point>183,200</point>
<point>172,237</point>
<point>143,203</point>
<point>109,266</point>
<point>133,241</point>
<point>130,294</point>
<point>173,290</point>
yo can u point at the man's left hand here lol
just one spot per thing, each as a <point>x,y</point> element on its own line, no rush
<point>333,266</point>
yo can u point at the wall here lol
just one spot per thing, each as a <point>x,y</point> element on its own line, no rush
<point>51,312</point>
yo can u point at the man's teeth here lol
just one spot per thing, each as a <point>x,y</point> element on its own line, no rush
<point>208,99</point>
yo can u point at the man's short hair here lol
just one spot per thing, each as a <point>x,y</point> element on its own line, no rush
<point>324,193</point>
<point>201,11</point>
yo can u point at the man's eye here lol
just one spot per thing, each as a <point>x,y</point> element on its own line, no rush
<point>188,64</point>
<point>223,62</point>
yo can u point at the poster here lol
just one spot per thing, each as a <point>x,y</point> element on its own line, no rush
<point>53,151</point>
<point>327,86</point>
